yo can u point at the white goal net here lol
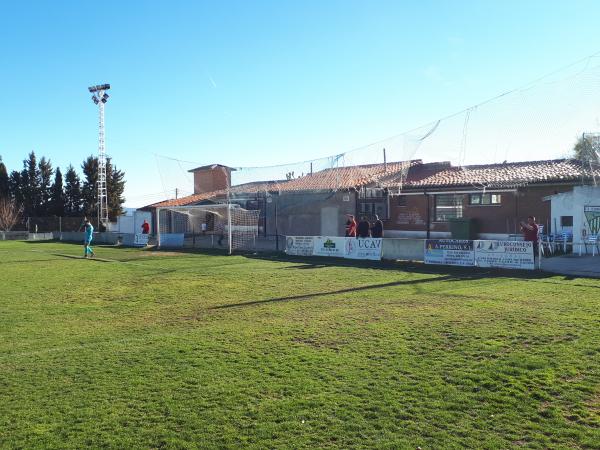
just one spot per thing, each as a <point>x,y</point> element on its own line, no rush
<point>229,226</point>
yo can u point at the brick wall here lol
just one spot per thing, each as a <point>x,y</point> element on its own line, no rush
<point>410,213</point>
<point>208,180</point>
<point>530,202</point>
<point>411,216</point>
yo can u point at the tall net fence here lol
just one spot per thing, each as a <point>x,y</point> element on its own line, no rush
<point>44,224</point>
<point>540,120</point>
<point>486,148</point>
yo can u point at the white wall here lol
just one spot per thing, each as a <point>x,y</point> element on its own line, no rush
<point>131,223</point>
<point>330,221</point>
<point>571,204</point>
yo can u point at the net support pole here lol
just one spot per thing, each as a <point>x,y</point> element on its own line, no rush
<point>229,226</point>
<point>158,227</point>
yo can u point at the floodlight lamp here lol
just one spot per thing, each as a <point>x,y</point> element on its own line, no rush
<point>103,100</point>
<point>105,96</point>
<point>92,89</point>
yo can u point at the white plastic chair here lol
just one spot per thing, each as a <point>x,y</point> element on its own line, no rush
<point>544,241</point>
<point>565,239</point>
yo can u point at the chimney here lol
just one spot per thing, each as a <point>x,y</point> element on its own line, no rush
<point>214,177</point>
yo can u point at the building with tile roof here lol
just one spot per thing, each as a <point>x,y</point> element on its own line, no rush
<point>413,198</point>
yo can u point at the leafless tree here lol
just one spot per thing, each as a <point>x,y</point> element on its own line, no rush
<point>9,214</point>
<point>587,148</point>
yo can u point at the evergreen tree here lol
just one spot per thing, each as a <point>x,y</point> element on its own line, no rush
<point>4,189</point>
<point>15,186</point>
<point>73,197</point>
<point>30,185</point>
<point>58,195</point>
<point>90,186</point>
<point>46,172</point>
<point>115,186</point>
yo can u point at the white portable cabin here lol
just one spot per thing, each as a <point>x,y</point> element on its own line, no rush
<point>576,211</point>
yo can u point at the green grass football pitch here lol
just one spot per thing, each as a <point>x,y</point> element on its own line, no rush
<point>143,349</point>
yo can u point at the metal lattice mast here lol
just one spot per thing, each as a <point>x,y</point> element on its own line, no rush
<point>102,194</point>
<point>99,98</point>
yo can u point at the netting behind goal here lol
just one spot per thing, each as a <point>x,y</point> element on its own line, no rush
<point>228,226</point>
<point>539,120</point>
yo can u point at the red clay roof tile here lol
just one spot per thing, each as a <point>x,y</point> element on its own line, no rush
<point>410,175</point>
<point>505,174</point>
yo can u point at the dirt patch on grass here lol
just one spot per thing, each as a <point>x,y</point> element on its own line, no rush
<point>593,404</point>
<point>320,343</point>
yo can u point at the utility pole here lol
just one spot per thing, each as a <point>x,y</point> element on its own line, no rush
<point>100,97</point>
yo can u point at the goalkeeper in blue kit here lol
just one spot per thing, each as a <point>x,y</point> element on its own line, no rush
<point>87,240</point>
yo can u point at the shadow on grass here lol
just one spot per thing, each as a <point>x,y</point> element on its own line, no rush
<point>344,291</point>
<point>95,258</point>
<point>312,262</point>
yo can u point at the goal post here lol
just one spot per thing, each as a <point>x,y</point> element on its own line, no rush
<point>233,227</point>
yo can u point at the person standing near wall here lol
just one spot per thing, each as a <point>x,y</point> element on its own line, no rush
<point>145,227</point>
<point>351,226</point>
<point>363,230</point>
<point>377,228</point>
<point>530,233</point>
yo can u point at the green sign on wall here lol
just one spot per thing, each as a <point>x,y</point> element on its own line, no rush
<point>592,215</point>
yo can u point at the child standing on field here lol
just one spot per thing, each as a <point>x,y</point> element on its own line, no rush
<point>87,240</point>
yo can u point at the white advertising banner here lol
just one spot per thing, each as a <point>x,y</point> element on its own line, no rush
<point>140,240</point>
<point>363,248</point>
<point>329,246</point>
<point>452,252</point>
<point>504,254</point>
<point>299,245</point>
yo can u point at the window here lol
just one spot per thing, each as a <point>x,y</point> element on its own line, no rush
<point>369,209</point>
<point>485,199</point>
<point>373,201</point>
<point>448,207</point>
<point>372,193</point>
<point>566,221</point>
<point>253,205</point>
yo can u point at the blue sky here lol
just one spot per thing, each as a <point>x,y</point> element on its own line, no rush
<point>257,83</point>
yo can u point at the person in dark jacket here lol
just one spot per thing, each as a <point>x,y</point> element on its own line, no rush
<point>530,232</point>
<point>377,228</point>
<point>363,229</point>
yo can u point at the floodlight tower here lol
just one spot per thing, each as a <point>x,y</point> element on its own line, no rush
<point>100,97</point>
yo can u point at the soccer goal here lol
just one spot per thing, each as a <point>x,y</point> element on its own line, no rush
<point>229,225</point>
